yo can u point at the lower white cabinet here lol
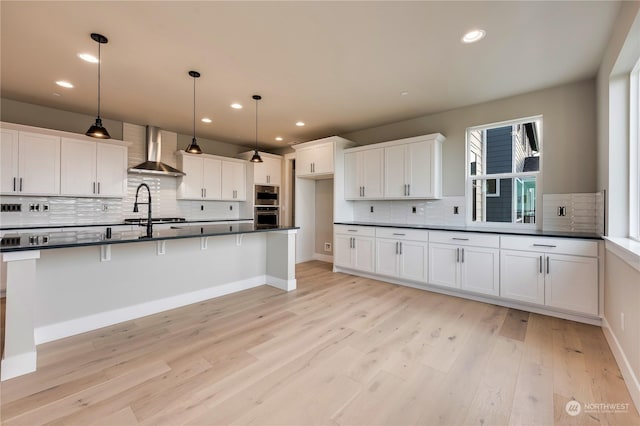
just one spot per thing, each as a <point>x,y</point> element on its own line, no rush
<point>402,253</point>
<point>465,260</point>
<point>560,273</point>
<point>354,247</point>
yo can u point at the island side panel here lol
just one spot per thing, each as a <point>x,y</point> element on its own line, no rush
<point>281,260</point>
<point>77,292</point>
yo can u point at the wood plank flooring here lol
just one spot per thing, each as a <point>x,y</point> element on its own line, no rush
<point>340,350</point>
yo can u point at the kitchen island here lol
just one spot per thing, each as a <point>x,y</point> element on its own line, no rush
<point>65,283</point>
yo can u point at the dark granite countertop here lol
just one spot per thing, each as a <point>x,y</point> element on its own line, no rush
<point>63,239</point>
<point>524,232</point>
<point>127,222</point>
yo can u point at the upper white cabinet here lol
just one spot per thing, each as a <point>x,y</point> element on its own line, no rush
<point>363,173</point>
<point>91,168</point>
<point>203,180</point>
<point>557,272</point>
<point>30,163</point>
<point>465,260</point>
<point>269,172</point>
<point>234,180</point>
<point>412,168</point>
<point>316,160</point>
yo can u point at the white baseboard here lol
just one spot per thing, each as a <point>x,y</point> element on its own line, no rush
<point>18,365</point>
<point>282,284</point>
<point>630,378</point>
<point>323,257</point>
<point>75,326</point>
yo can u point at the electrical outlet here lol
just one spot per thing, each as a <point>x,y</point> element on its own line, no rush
<point>45,207</point>
<point>11,207</point>
<point>413,209</point>
<point>456,210</point>
<point>622,320</point>
<point>327,246</point>
<point>105,207</point>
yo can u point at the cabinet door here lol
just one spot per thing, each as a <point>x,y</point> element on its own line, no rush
<point>261,172</point>
<point>372,174</point>
<point>190,186</point>
<point>413,261</point>
<point>364,254</point>
<point>480,270</point>
<point>273,168</point>
<point>111,170</point>
<point>323,159</point>
<point>387,257</point>
<point>212,178</point>
<point>39,164</point>
<point>304,158</point>
<point>443,265</point>
<point>418,170</point>
<point>77,167</point>
<point>351,178</point>
<point>8,161</point>
<point>233,181</point>
<point>572,283</point>
<point>342,250</point>
<point>521,276</point>
<point>394,172</point>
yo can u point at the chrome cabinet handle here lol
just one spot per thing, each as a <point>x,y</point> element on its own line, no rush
<point>462,255</point>
<point>20,184</point>
<point>94,188</point>
<point>354,242</point>
<point>396,247</point>
<point>540,264</point>
<point>408,189</point>
<point>399,234</point>
<point>457,255</point>
<point>352,230</point>
<point>363,191</point>
<point>460,239</point>
<point>400,249</point>
<point>14,184</point>
<point>544,245</point>
<point>98,187</point>
<point>205,192</point>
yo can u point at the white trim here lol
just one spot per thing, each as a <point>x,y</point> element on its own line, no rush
<point>20,255</point>
<point>282,284</point>
<point>323,257</point>
<point>18,365</point>
<point>48,333</point>
<point>626,249</point>
<point>630,379</point>
<point>634,152</point>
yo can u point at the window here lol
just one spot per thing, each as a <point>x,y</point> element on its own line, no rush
<point>503,167</point>
<point>634,154</point>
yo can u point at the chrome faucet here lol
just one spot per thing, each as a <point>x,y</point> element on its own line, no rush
<point>148,203</point>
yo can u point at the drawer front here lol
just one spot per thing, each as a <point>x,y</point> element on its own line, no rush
<point>465,239</point>
<point>403,234</point>
<point>365,231</point>
<point>572,246</point>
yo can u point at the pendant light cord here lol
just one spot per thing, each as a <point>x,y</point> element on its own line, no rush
<point>99,66</point>
<point>256,125</point>
<point>194,108</point>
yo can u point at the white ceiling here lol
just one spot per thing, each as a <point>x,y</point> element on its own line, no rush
<point>338,66</point>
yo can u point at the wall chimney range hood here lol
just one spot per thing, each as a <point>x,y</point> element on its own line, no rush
<point>153,165</point>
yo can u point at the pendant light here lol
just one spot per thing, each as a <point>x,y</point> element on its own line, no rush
<point>193,147</point>
<point>96,130</point>
<point>256,155</point>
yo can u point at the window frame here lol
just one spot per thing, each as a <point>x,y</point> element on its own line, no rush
<point>634,152</point>
<point>469,178</point>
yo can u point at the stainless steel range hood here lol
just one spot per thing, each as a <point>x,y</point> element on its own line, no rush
<point>153,165</point>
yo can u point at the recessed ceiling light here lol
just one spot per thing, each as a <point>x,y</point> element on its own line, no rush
<point>300,123</point>
<point>63,83</point>
<point>236,106</point>
<point>279,138</point>
<point>473,36</point>
<point>206,120</point>
<point>56,94</point>
<point>88,57</point>
<point>405,93</point>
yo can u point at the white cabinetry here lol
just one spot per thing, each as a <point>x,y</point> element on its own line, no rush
<point>402,253</point>
<point>91,168</point>
<point>269,172</point>
<point>465,260</point>
<point>203,177</point>
<point>412,168</point>
<point>315,160</point>
<point>557,272</point>
<point>354,247</point>
<point>30,163</point>
<point>234,180</point>
<point>363,174</point>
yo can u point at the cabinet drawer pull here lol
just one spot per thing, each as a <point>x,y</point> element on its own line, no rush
<point>544,245</point>
<point>399,234</point>
<point>352,230</point>
<point>460,239</point>
<point>547,265</point>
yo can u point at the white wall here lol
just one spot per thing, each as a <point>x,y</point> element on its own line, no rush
<point>569,134</point>
<point>621,281</point>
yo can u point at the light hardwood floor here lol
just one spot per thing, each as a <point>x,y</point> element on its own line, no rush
<point>340,350</point>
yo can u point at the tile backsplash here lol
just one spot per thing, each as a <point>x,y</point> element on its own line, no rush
<point>416,212</point>
<point>573,212</point>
